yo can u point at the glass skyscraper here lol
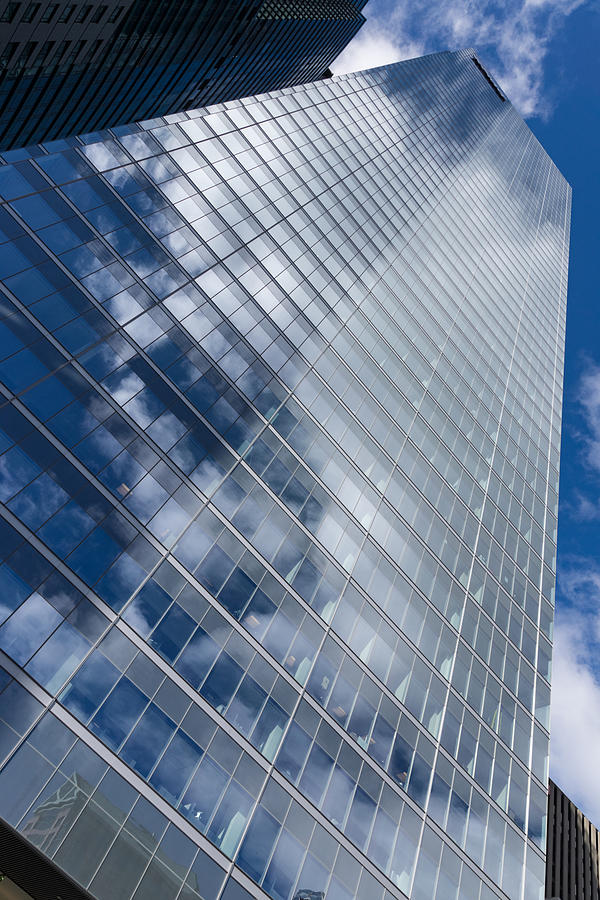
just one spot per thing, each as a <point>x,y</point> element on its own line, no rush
<point>281,387</point>
<point>72,67</point>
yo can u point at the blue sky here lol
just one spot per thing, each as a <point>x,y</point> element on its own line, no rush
<point>544,54</point>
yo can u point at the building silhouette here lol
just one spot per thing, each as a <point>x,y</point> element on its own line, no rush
<point>280,438</point>
<point>73,67</point>
<point>572,861</point>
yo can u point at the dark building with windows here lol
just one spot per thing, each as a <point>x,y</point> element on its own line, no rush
<point>68,67</point>
<point>280,400</point>
<point>573,851</point>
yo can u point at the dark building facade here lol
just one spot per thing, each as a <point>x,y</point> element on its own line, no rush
<point>573,852</point>
<point>280,400</point>
<point>77,67</point>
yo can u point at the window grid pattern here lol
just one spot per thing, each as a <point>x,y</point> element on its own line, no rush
<point>225,348</point>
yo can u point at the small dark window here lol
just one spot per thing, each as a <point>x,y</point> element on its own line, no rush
<point>60,51</point>
<point>98,14</point>
<point>115,14</point>
<point>92,51</point>
<point>49,12</point>
<point>6,55</point>
<point>10,11</point>
<point>45,51</point>
<point>83,13</point>
<point>67,12</point>
<point>78,47</point>
<point>31,12</point>
<point>24,56</point>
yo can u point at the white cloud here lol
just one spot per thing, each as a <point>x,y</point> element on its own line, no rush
<point>575,708</point>
<point>513,37</point>
<point>575,726</point>
<point>374,47</point>
<point>588,397</point>
<point>575,723</point>
<point>582,503</point>
<point>582,508</point>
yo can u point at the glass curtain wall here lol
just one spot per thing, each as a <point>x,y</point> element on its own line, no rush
<point>281,389</point>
